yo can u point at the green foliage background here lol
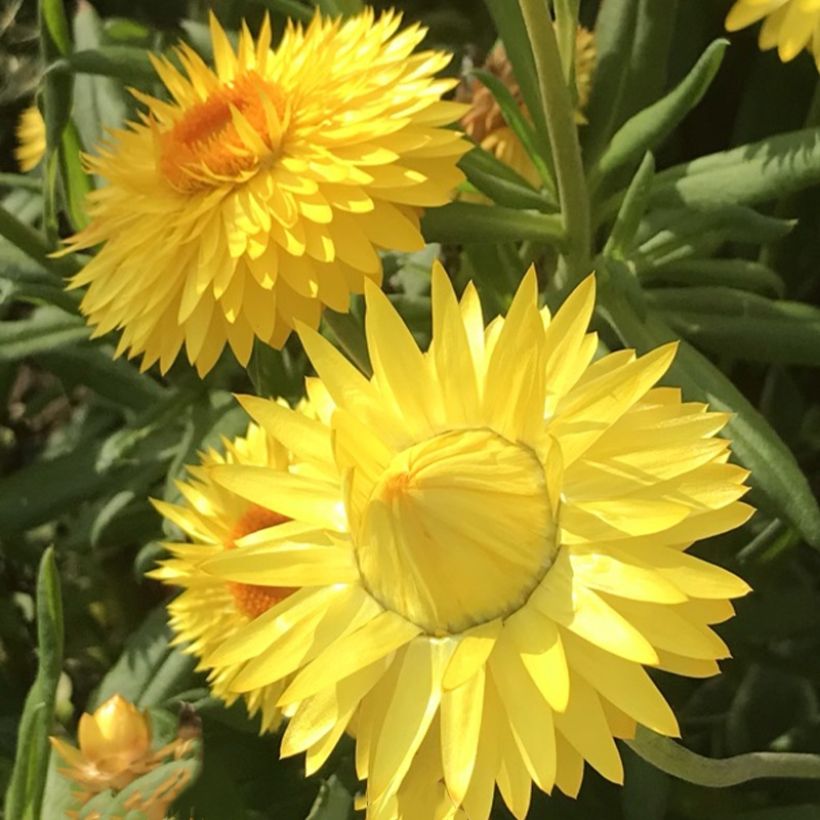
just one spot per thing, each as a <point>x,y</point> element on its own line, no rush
<point>723,252</point>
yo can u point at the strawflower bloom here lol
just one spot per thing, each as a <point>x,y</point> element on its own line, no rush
<point>264,188</point>
<point>114,750</point>
<point>209,610</point>
<point>506,555</point>
<point>788,25</point>
<point>31,139</point>
<point>485,123</point>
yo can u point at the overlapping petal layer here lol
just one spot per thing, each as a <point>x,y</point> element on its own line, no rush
<point>210,611</point>
<point>264,188</point>
<point>788,25</point>
<point>504,530</point>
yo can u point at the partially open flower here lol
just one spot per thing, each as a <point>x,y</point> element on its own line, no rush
<point>264,189</point>
<point>477,601</point>
<point>788,25</point>
<point>31,139</point>
<point>114,750</point>
<point>485,123</point>
<point>209,610</point>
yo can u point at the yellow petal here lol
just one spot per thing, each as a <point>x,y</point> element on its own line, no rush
<point>461,712</point>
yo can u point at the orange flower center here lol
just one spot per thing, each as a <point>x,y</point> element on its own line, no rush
<point>254,599</point>
<point>223,137</point>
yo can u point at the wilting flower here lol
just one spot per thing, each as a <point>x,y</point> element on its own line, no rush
<point>263,190</point>
<point>31,139</point>
<point>209,609</point>
<point>485,123</point>
<point>114,750</point>
<point>506,555</point>
<point>789,25</point>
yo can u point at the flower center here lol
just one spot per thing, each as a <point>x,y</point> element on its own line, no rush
<point>458,530</point>
<point>222,138</point>
<point>253,599</point>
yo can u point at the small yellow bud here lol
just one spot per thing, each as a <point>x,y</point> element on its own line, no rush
<point>115,736</point>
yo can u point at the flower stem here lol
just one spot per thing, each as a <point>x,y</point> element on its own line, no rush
<point>563,134</point>
<point>34,245</point>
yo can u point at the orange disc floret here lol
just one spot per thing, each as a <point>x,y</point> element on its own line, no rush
<point>206,141</point>
<point>254,599</point>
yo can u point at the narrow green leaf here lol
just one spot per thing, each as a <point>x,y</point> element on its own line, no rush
<point>126,63</point>
<point>680,234</point>
<point>632,211</point>
<point>45,329</point>
<point>114,379</point>
<point>34,245</point>
<point>670,757</point>
<point>770,169</point>
<point>742,324</point>
<point>758,447</point>
<point>150,670</point>
<point>27,182</point>
<point>733,273</point>
<point>99,102</point>
<point>469,222</point>
<point>349,334</point>
<point>503,185</point>
<point>76,183</point>
<point>538,152</point>
<point>650,127</point>
<point>289,8</point>
<point>510,26</point>
<point>27,786</point>
<point>334,802</point>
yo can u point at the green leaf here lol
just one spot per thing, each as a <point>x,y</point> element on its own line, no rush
<point>27,786</point>
<point>127,63</point>
<point>290,8</point>
<point>500,183</point>
<point>649,128</point>
<point>758,447</point>
<point>521,127</point>
<point>99,102</point>
<point>672,758</point>
<point>632,211</point>
<point>34,245</point>
<point>513,33</point>
<point>114,379</point>
<point>770,169</point>
<point>733,273</point>
<point>149,671</point>
<point>333,802</point>
<point>469,222</point>
<point>680,234</point>
<point>742,324</point>
<point>37,287</point>
<point>632,41</point>
<point>45,329</point>
<point>339,8</point>
<point>348,332</point>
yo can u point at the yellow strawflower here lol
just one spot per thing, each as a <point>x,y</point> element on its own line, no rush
<point>114,750</point>
<point>506,554</point>
<point>209,610</point>
<point>485,123</point>
<point>789,25</point>
<point>264,189</point>
<point>31,139</point>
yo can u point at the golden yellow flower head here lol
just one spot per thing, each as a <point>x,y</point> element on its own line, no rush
<point>114,751</point>
<point>31,139</point>
<point>209,609</point>
<point>485,123</point>
<point>263,190</point>
<point>505,552</point>
<point>788,25</point>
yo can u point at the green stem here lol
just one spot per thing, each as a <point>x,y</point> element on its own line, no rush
<point>31,243</point>
<point>672,758</point>
<point>563,133</point>
<point>22,181</point>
